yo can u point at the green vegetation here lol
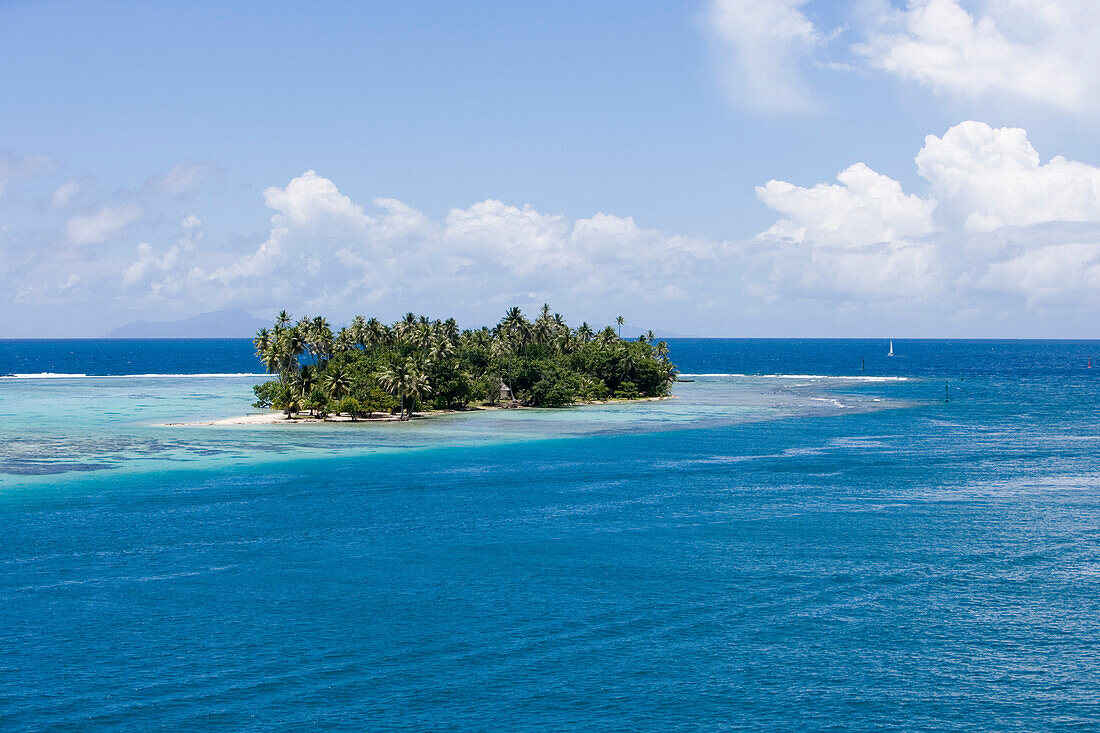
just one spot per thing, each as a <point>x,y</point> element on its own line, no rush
<point>369,368</point>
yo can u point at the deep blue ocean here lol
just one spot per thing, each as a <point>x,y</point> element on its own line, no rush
<point>810,537</point>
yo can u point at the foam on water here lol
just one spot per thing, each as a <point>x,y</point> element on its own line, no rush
<point>847,378</point>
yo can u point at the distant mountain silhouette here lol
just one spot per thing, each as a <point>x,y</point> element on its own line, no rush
<point>229,323</point>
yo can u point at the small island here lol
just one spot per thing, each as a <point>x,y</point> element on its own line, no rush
<point>371,371</point>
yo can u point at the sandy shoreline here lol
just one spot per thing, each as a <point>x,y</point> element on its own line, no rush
<point>277,417</point>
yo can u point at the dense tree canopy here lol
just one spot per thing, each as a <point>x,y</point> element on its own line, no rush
<point>369,367</point>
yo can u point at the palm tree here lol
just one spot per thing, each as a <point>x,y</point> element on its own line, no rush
<point>405,324</point>
<point>421,337</point>
<point>628,362</point>
<point>345,339</point>
<point>543,331</point>
<point>336,383</point>
<point>392,379</point>
<point>262,341</point>
<point>303,383</point>
<point>441,350</point>
<point>407,382</point>
<point>358,331</point>
<point>662,350</point>
<point>273,360</point>
<point>291,347</point>
<point>619,320</point>
<point>417,387</point>
<point>449,329</point>
<point>376,333</point>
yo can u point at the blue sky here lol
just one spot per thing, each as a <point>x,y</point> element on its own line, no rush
<point>159,160</point>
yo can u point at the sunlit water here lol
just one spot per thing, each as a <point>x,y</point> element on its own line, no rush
<point>844,550</point>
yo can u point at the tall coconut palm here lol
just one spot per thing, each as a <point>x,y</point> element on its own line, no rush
<point>345,340</point>
<point>393,379</point>
<point>291,346</point>
<point>619,321</point>
<point>273,360</point>
<point>358,331</point>
<point>421,337</point>
<point>450,330</point>
<point>405,324</point>
<point>441,351</point>
<point>417,388</point>
<point>337,384</point>
<point>543,331</point>
<point>262,341</point>
<point>628,363</point>
<point>513,320</point>
<point>303,382</point>
<point>407,382</point>
<point>375,333</point>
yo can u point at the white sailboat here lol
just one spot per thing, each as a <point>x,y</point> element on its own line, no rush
<point>891,348</point>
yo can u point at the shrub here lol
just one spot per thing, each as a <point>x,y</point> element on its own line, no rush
<point>556,386</point>
<point>627,391</point>
<point>349,406</point>
<point>268,393</point>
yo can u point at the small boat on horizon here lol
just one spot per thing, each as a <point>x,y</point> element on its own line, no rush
<point>891,348</point>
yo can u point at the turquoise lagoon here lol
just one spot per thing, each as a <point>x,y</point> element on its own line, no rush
<point>57,424</point>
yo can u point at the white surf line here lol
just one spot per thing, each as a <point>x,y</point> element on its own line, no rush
<point>861,378</point>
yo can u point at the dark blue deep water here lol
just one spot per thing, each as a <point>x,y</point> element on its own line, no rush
<point>933,566</point>
<point>927,358</point>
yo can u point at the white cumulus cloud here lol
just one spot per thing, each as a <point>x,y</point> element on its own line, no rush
<point>983,222</point>
<point>994,177</point>
<point>994,225</point>
<point>1048,273</point>
<point>102,225</point>
<point>761,46</point>
<point>323,244</point>
<point>864,208</point>
<point>1035,50</point>
<point>1023,51</point>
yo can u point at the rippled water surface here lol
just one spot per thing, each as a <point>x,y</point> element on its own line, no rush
<point>808,545</point>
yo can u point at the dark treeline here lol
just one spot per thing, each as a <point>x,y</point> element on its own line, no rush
<point>369,367</point>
